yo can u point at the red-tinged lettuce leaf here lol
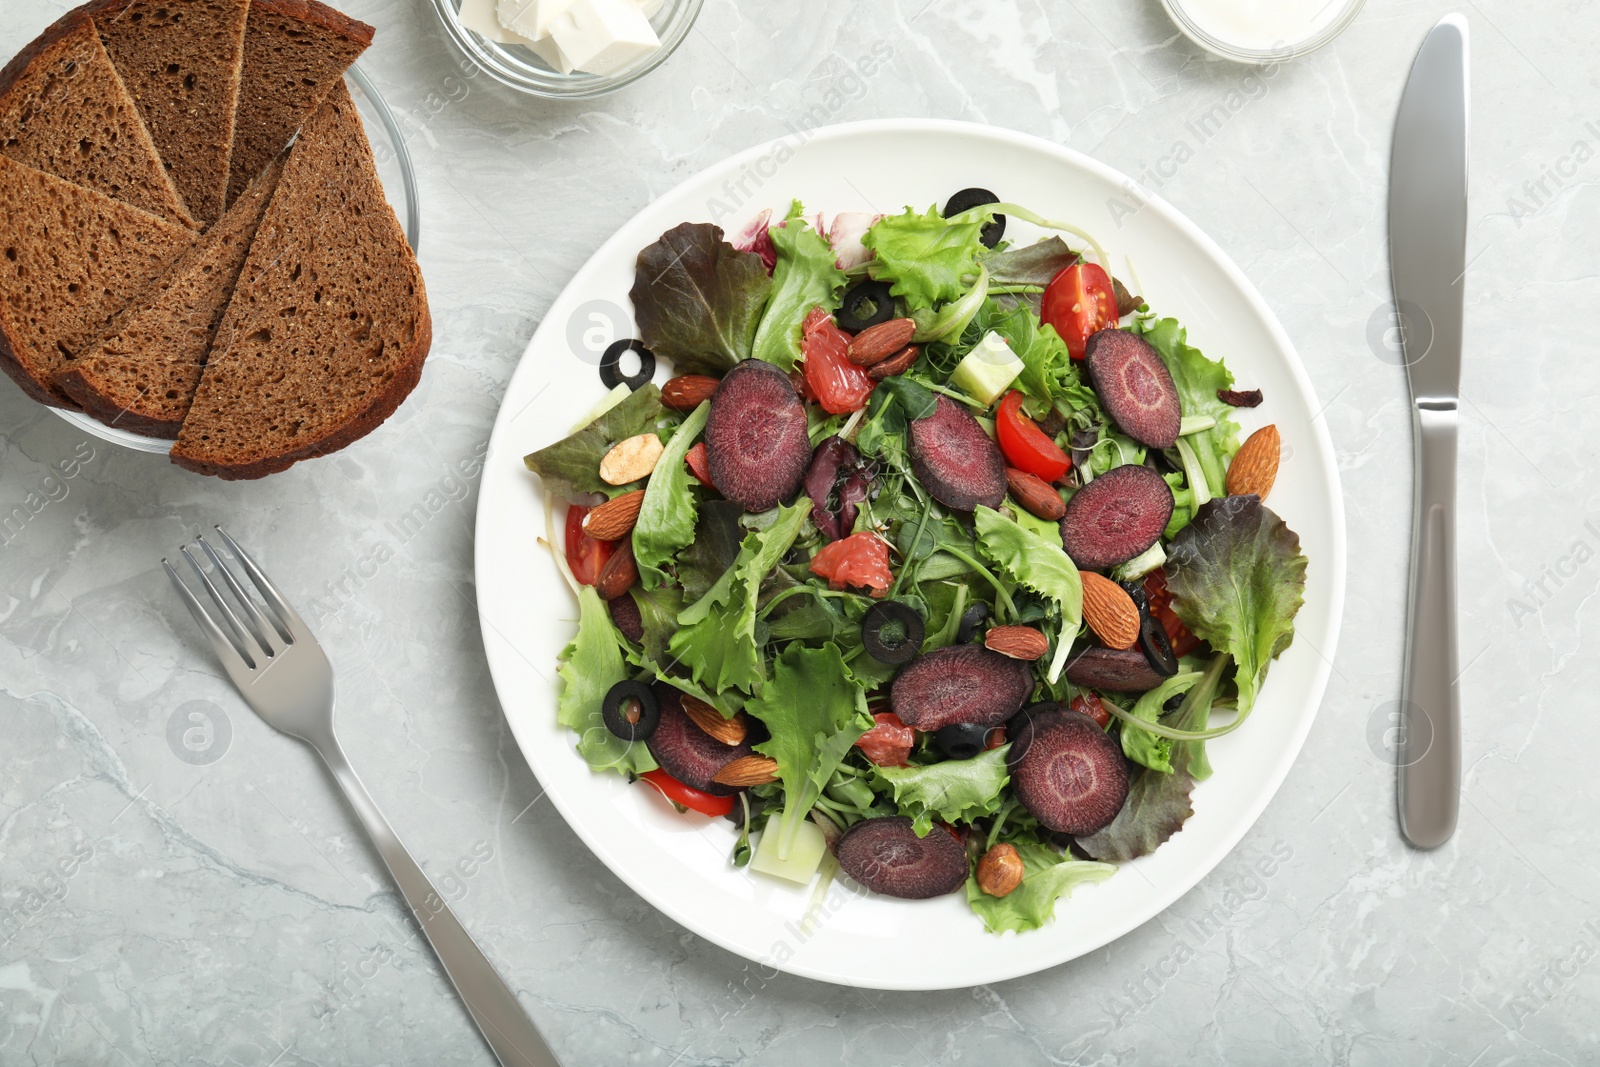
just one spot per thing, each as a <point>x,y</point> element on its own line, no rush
<point>697,300</point>
<point>1035,264</point>
<point>570,468</point>
<point>1238,578</point>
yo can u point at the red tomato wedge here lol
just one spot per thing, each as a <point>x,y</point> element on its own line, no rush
<point>860,561</point>
<point>585,554</point>
<point>699,466</point>
<point>1155,589</point>
<point>1091,705</point>
<point>1079,301</point>
<point>688,796</point>
<point>839,385</point>
<point>887,744</point>
<point>1027,447</point>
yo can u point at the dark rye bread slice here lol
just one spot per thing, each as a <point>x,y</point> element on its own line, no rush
<point>329,323</point>
<point>64,110</point>
<point>295,52</point>
<point>142,375</point>
<point>180,60</point>
<point>70,259</point>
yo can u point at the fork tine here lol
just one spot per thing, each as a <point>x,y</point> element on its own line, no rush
<point>226,652</point>
<point>292,622</point>
<point>247,648</point>
<point>260,628</point>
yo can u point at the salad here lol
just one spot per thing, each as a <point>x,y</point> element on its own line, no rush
<point>937,562</point>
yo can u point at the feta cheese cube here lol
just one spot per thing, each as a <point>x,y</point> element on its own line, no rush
<point>648,8</point>
<point>532,18</point>
<point>551,53</point>
<point>481,18</point>
<point>603,36</point>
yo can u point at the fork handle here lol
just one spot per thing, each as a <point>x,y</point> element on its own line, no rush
<point>494,1007</point>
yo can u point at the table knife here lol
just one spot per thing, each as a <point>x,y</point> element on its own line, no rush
<point>1427,254</point>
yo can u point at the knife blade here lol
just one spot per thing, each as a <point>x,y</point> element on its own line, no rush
<point>1427,254</point>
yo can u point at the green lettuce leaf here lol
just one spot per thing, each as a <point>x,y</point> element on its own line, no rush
<point>1238,579</point>
<point>698,301</point>
<point>806,275</point>
<point>1047,877</point>
<point>570,468</point>
<point>717,639</point>
<point>1198,380</point>
<point>926,258</point>
<point>956,791</point>
<point>814,711</point>
<point>658,612</point>
<point>590,666</point>
<point>667,515</point>
<point>717,534</point>
<point>1142,746</point>
<point>1032,560</point>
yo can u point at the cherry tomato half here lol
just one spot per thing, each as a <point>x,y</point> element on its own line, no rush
<point>840,386</point>
<point>699,465</point>
<point>1080,301</point>
<point>585,554</point>
<point>860,560</point>
<point>1027,447</point>
<point>1178,636</point>
<point>688,796</point>
<point>887,744</point>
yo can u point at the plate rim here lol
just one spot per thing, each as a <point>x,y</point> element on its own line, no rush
<point>1336,562</point>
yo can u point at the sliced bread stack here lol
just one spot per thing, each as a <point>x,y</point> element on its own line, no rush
<point>194,242</point>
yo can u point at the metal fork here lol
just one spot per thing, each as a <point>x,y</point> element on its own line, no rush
<point>282,673</point>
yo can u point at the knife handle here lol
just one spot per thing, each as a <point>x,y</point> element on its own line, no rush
<point>1430,748</point>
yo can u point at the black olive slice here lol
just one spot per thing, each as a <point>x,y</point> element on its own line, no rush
<point>963,740</point>
<point>971,619</point>
<point>865,304</point>
<point>892,632</point>
<point>611,364</point>
<point>966,200</point>
<point>631,711</point>
<point>1157,649</point>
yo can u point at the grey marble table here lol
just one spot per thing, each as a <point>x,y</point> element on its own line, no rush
<point>179,885</point>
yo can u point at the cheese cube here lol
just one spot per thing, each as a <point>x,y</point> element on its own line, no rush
<point>648,8</point>
<point>532,18</point>
<point>551,53</point>
<point>603,36</point>
<point>480,17</point>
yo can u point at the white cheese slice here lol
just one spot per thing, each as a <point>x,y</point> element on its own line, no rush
<point>603,36</point>
<point>551,53</point>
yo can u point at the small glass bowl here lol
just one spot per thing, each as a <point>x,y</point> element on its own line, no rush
<point>515,65</point>
<point>1191,28</point>
<point>399,184</point>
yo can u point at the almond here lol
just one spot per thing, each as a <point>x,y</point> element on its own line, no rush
<point>613,520</point>
<point>688,391</point>
<point>728,731</point>
<point>898,363</point>
<point>1018,642</point>
<point>1035,494</point>
<point>1000,870</point>
<point>1255,465</point>
<point>877,343</point>
<point>747,771</point>
<point>632,459</point>
<point>619,573</point>
<point>1109,611</point>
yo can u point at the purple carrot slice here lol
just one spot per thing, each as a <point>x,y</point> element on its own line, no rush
<point>962,683</point>
<point>1118,670</point>
<point>687,752</point>
<point>1116,517</point>
<point>1135,387</point>
<point>627,618</point>
<point>756,441</point>
<point>1071,775</point>
<point>955,460</point>
<point>888,857</point>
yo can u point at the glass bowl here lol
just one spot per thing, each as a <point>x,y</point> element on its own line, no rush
<point>516,65</point>
<point>399,183</point>
<point>1326,24</point>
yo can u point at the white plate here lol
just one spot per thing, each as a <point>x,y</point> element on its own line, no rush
<point>680,863</point>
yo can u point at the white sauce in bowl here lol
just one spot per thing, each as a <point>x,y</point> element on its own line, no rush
<point>1284,27</point>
